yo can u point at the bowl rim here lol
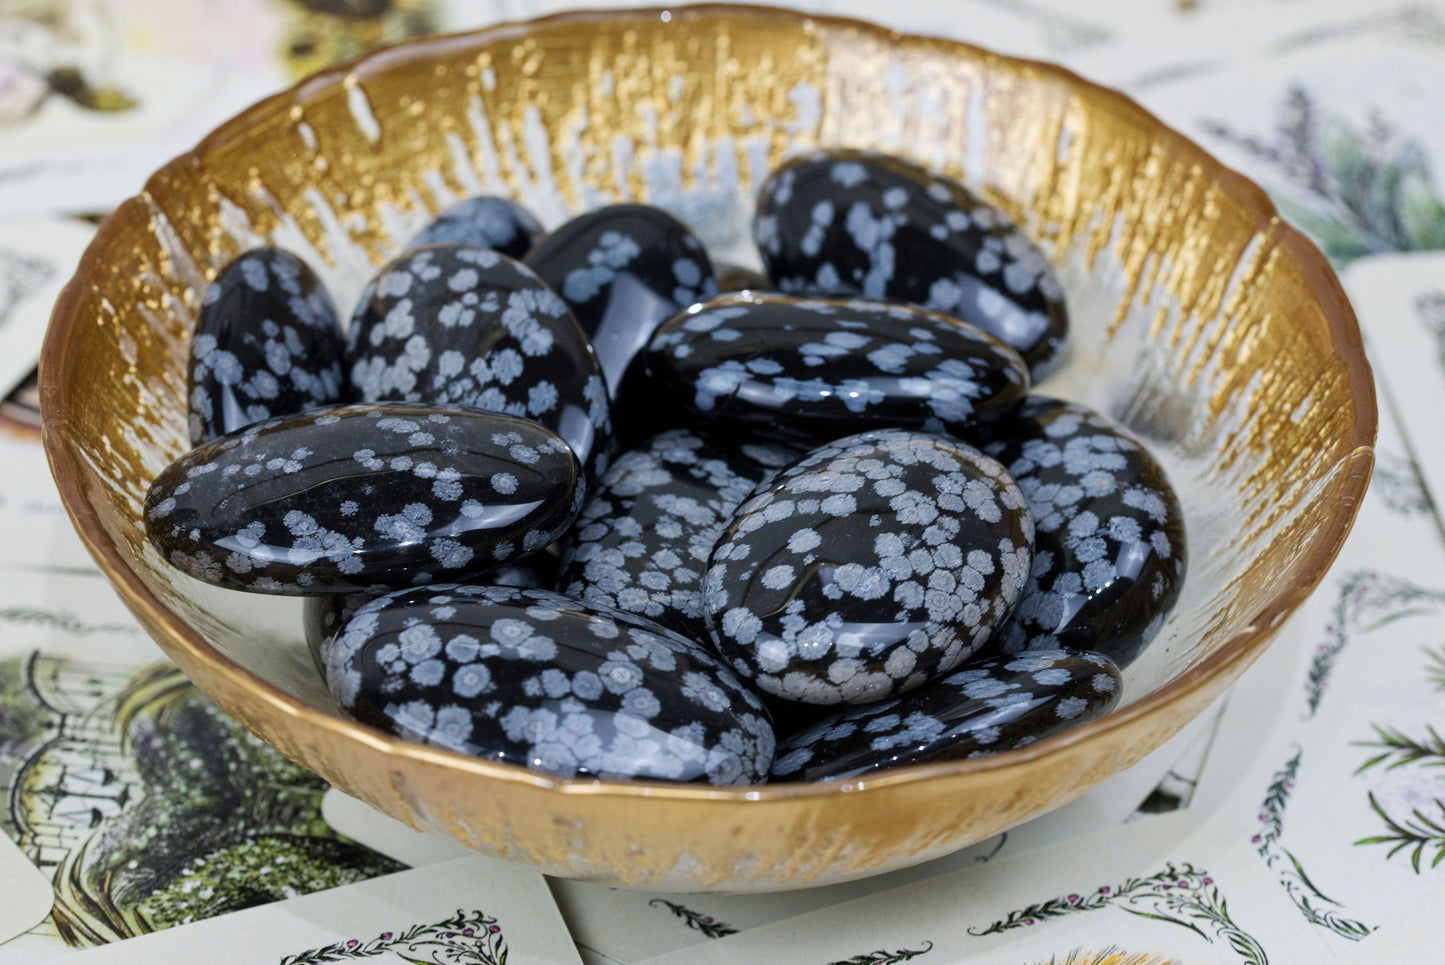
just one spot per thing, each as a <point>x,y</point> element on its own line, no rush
<point>1230,659</point>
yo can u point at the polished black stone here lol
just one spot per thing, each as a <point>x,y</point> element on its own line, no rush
<point>868,567</point>
<point>500,224</point>
<point>267,343</point>
<point>360,497</point>
<point>563,687</point>
<point>323,616</point>
<point>457,325</point>
<point>624,270</point>
<point>988,707</point>
<point>1109,556</point>
<point>848,222</point>
<point>736,278</point>
<point>812,370</point>
<point>643,539</point>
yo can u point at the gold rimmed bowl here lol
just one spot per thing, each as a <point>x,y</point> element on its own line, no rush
<point>1213,330</point>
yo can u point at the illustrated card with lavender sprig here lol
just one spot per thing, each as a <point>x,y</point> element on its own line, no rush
<point>1176,888</point>
<point>626,925</point>
<point>1400,301</point>
<point>1327,757</point>
<point>1330,107</point>
<point>474,911</point>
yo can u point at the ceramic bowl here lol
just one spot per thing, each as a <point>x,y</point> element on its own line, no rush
<point>1204,323</point>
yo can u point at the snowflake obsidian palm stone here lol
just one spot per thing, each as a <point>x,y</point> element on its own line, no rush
<point>563,687</point>
<point>853,223</point>
<point>988,707</point>
<point>500,224</point>
<point>267,344</point>
<point>1109,556</point>
<point>323,616</point>
<point>813,370</point>
<point>362,497</point>
<point>868,567</point>
<point>642,542</point>
<point>623,270</point>
<point>457,325</point>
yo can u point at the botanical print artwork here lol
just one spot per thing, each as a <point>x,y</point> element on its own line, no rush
<point>882,956</point>
<point>20,275</point>
<point>1423,829</point>
<point>1180,894</point>
<point>54,49</point>
<point>149,807</point>
<point>1366,601</point>
<point>1430,307</point>
<point>1317,907</point>
<point>1397,481</point>
<point>1109,956</point>
<point>62,620</point>
<point>468,938</point>
<point>1356,190</point>
<point>322,32</point>
<point>697,921</point>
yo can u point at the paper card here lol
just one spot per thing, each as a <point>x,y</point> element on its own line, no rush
<point>1334,120</point>
<point>1173,888</point>
<point>1414,936</point>
<point>1400,301</point>
<point>141,804</point>
<point>25,895</point>
<point>37,258</point>
<point>361,822</point>
<point>629,925</point>
<point>1325,754</point>
<point>38,531</point>
<point>475,910</point>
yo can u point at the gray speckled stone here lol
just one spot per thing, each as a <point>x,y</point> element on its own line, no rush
<point>643,539</point>
<point>361,497</point>
<point>1109,557</point>
<point>845,222</point>
<point>811,370</point>
<point>559,686</point>
<point>988,707</point>
<point>458,325</point>
<point>267,344</point>
<point>868,567</point>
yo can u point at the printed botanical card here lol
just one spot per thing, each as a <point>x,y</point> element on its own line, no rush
<point>1334,116</point>
<point>474,911</point>
<point>1327,757</point>
<point>628,925</point>
<point>37,258</point>
<point>1400,301</point>
<point>1177,888</point>
<point>37,531</point>
<point>140,802</point>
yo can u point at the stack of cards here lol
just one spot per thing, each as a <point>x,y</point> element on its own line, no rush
<point>144,825</point>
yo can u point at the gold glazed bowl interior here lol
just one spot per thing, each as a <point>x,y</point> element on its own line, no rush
<point>1210,328</point>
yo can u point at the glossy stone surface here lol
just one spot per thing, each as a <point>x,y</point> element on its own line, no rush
<point>868,567</point>
<point>457,325</point>
<point>500,224</point>
<point>533,678</point>
<point>643,539</point>
<point>267,343</point>
<point>1110,555</point>
<point>624,270</point>
<point>323,616</point>
<point>812,370</point>
<point>988,707</point>
<point>360,497</point>
<point>851,222</point>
